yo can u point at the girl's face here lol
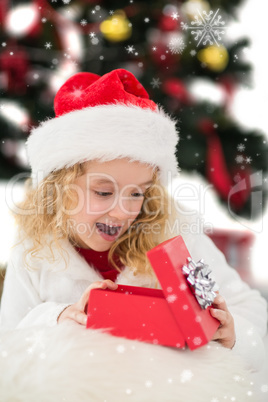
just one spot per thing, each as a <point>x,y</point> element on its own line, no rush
<point>109,198</point>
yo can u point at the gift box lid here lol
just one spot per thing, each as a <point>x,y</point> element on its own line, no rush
<point>168,260</point>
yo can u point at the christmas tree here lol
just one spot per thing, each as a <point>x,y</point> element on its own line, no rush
<point>171,47</point>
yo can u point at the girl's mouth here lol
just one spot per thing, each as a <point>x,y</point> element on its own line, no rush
<point>108,232</point>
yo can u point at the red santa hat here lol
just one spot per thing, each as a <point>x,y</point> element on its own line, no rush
<point>103,118</point>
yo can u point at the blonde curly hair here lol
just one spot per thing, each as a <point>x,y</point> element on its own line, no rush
<point>45,220</point>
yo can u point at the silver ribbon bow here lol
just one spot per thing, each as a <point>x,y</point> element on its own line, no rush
<point>203,286</point>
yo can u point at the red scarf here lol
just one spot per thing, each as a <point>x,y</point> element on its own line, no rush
<point>99,260</point>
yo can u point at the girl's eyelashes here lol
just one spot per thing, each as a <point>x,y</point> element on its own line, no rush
<point>103,193</point>
<point>108,193</point>
<point>137,195</point>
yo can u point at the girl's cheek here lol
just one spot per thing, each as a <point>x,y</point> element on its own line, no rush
<point>99,206</point>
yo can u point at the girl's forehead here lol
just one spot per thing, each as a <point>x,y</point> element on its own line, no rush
<point>119,171</point>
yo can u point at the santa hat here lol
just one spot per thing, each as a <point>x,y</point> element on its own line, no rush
<point>103,118</point>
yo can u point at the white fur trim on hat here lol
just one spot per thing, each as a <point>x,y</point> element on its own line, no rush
<point>104,133</point>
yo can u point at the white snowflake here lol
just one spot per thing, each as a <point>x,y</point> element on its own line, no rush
<point>186,375</point>
<point>171,298</point>
<point>248,159</point>
<point>154,48</point>
<point>37,341</point>
<point>111,12</point>
<point>44,20</point>
<point>184,26</point>
<point>120,349</point>
<point>92,35</point>
<point>175,16</point>
<point>146,20</point>
<point>237,178</point>
<point>241,147</point>
<point>183,286</point>
<point>237,378</point>
<point>148,384</point>
<point>239,159</point>
<point>192,53</point>
<point>207,28</point>
<point>66,1</point>
<point>130,49</point>
<point>48,45</point>
<point>176,45</point>
<point>83,22</point>
<point>264,388</point>
<point>214,400</point>
<point>156,82</point>
<point>197,340</point>
<point>77,92</point>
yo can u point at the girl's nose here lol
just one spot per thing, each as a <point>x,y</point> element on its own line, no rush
<point>123,209</point>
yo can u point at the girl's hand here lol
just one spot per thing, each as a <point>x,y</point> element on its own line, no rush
<point>76,312</point>
<point>225,333</point>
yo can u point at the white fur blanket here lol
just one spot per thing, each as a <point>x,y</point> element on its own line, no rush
<point>71,364</point>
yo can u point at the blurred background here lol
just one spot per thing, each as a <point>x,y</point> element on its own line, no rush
<point>204,61</point>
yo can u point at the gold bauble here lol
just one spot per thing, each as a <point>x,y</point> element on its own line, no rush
<point>117,27</point>
<point>214,57</point>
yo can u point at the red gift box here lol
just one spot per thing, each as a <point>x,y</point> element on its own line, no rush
<point>169,317</point>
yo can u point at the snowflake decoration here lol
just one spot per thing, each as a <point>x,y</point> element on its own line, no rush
<point>77,92</point>
<point>111,12</point>
<point>183,286</point>
<point>83,22</point>
<point>176,45</point>
<point>192,53</point>
<point>207,28</point>
<point>48,45</point>
<point>148,384</point>
<point>184,26</point>
<point>66,1</point>
<point>186,375</point>
<point>237,178</point>
<point>130,49</point>
<point>248,159</point>
<point>146,20</point>
<point>154,48</point>
<point>44,20</point>
<point>197,340</point>
<point>237,378</point>
<point>175,16</point>
<point>171,298</point>
<point>241,147</point>
<point>239,159</point>
<point>120,349</point>
<point>37,341</point>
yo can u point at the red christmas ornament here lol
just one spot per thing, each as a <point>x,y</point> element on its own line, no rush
<point>176,89</point>
<point>15,66</point>
<point>216,169</point>
<point>167,24</point>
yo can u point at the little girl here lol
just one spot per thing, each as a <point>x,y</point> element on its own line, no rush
<point>96,203</point>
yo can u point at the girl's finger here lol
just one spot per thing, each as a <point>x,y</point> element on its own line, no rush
<point>80,318</point>
<point>221,315</point>
<point>96,285</point>
<point>220,303</point>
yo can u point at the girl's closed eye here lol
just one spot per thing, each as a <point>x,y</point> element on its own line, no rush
<point>103,193</point>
